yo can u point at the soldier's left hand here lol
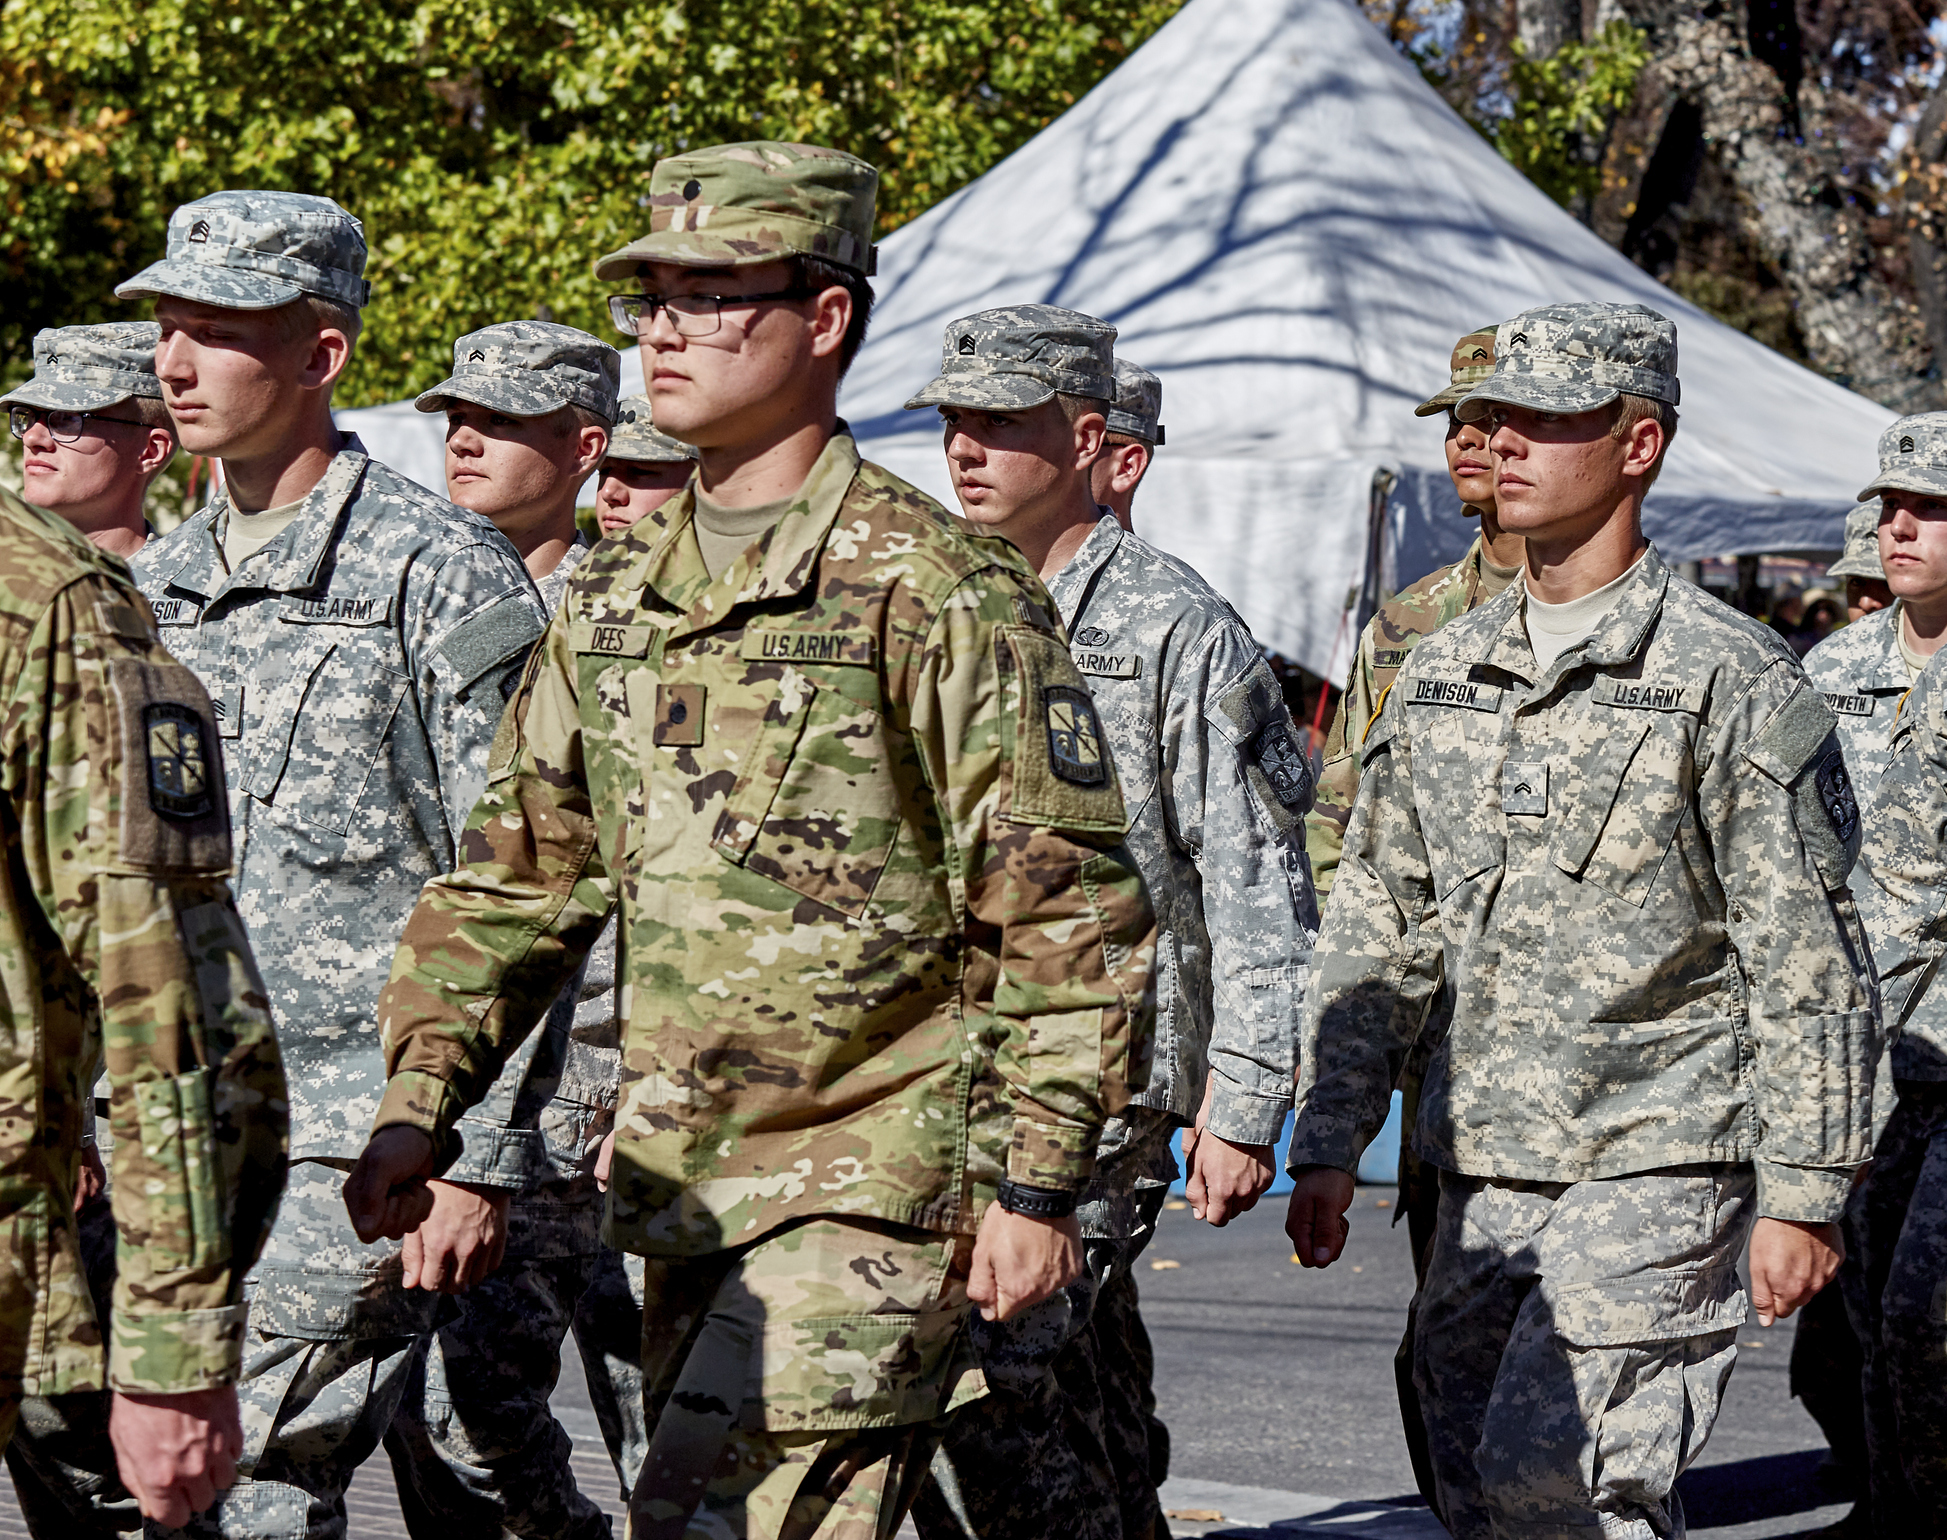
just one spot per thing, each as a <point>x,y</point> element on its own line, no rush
<point>461,1242</point>
<point>386,1192</point>
<point>1019,1261</point>
<point>1223,1179</point>
<point>1790,1263</point>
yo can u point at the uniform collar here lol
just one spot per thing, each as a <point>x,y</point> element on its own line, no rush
<point>290,563</point>
<point>1619,639</point>
<point>1069,587</point>
<point>779,565</point>
<point>1887,669</point>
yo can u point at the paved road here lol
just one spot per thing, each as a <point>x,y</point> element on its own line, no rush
<point>1277,1385</point>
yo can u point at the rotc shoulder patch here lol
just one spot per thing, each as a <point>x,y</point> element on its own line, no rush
<point>179,759</point>
<point>1061,773</point>
<point>1835,791</point>
<point>1284,765</point>
<point>174,815</point>
<point>1074,735</point>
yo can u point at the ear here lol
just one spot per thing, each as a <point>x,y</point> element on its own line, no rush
<point>1131,465</point>
<point>158,449</point>
<point>831,317</point>
<point>1641,446</point>
<point>329,355</point>
<point>1091,431</point>
<point>592,444</point>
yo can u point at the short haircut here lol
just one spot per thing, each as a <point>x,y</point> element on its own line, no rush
<point>1074,408</point>
<point>309,314</point>
<point>818,275</point>
<point>1630,410</point>
<point>151,413</point>
<point>574,417</point>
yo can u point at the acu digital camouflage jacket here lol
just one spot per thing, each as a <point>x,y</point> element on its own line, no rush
<point>1216,788</point>
<point>119,941</point>
<point>883,939</point>
<point>1630,870</point>
<point>1402,622</point>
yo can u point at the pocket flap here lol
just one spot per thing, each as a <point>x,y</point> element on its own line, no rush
<point>1617,1312</point>
<point>1584,813</point>
<point>860,1371</point>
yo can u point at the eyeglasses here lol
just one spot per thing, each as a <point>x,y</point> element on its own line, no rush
<point>693,315</point>
<point>64,427</point>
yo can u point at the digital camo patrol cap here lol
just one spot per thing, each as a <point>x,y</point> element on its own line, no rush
<point>1861,558</point>
<point>1012,359</point>
<point>1138,404</point>
<point>733,205</point>
<point>258,250</point>
<point>636,437</point>
<point>1576,357</point>
<point>529,369</point>
<point>1472,362</point>
<point>85,368</point>
<point>1912,457</point>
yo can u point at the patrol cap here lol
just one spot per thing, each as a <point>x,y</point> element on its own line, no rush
<point>636,437</point>
<point>1138,403</point>
<point>1578,356</point>
<point>733,205</point>
<point>1012,359</point>
<point>529,369</point>
<point>1861,558</point>
<point>85,368</point>
<point>1912,457</point>
<point>258,250</point>
<point>1473,361</point>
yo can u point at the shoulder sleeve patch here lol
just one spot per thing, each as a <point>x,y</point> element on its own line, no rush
<point>500,634</point>
<point>1278,769</point>
<point>175,812</point>
<point>1062,773</point>
<point>1827,814</point>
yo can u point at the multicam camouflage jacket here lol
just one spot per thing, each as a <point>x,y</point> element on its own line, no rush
<point>1216,788</point>
<point>119,941</point>
<point>359,664</point>
<point>1629,869</point>
<point>884,941</point>
<point>1402,621</point>
<point>1905,855</point>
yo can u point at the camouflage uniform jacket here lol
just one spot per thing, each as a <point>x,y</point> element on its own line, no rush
<point>359,664</point>
<point>118,938</point>
<point>883,938</point>
<point>1411,614</point>
<point>1216,788</point>
<point>1859,671</point>
<point>1629,869</point>
<point>1905,855</point>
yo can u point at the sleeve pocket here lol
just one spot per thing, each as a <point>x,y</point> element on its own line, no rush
<point>180,1178</point>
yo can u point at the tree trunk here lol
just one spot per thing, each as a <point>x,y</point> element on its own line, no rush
<point>1923,191</point>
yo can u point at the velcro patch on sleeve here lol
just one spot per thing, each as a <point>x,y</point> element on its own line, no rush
<point>1793,737</point>
<point>124,620</point>
<point>1063,775</point>
<point>807,645</point>
<point>501,633</point>
<point>1649,694</point>
<point>175,816</point>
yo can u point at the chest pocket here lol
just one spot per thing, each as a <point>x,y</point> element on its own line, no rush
<point>1456,763</point>
<point>816,808</point>
<point>322,731</point>
<point>1618,822</point>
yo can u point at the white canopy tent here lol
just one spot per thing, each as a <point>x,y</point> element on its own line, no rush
<point>1291,228</point>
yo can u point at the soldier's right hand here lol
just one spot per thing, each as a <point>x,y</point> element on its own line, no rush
<point>1316,1219</point>
<point>175,1453</point>
<point>386,1193</point>
<point>1019,1261</point>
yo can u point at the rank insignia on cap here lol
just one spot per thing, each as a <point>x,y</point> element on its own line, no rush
<point>476,357</point>
<point>200,231</point>
<point>1835,791</point>
<point>179,766</point>
<point>1906,446</point>
<point>692,190</point>
<point>966,344</point>
<point>1284,766</point>
<point>1074,736</point>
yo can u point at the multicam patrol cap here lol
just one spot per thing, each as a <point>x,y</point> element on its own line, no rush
<point>1012,359</point>
<point>1861,557</point>
<point>733,205</point>
<point>85,368</point>
<point>636,437</point>
<point>1473,362</point>
<point>1912,457</point>
<point>258,250</point>
<point>529,369</point>
<point>1138,404</point>
<point>1575,357</point>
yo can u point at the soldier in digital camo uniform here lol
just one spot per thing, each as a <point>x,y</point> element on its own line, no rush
<point>119,944</point>
<point>359,638</point>
<point>1896,1226</point>
<point>1614,823</point>
<point>643,469</point>
<point>474,1447</point>
<point>1216,786</point>
<point>887,953</point>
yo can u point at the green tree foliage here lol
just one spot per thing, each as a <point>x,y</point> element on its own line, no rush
<point>492,148</point>
<point>1563,107</point>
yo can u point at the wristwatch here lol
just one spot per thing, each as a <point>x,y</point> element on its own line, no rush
<point>1036,1202</point>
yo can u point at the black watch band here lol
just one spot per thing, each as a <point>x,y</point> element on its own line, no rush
<point>1036,1202</point>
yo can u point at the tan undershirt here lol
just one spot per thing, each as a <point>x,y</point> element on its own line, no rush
<point>1914,661</point>
<point>723,534</point>
<point>1494,579</point>
<point>1554,628</point>
<point>245,534</point>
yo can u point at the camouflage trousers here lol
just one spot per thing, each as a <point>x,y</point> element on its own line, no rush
<point>1067,1441</point>
<point>1895,1283</point>
<point>475,1449</point>
<point>797,1386</point>
<point>1573,1344</point>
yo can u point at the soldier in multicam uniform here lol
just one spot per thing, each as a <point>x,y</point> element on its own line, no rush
<point>94,429</point>
<point>642,470</point>
<point>1197,726</point>
<point>359,638</point>
<point>1896,1225</point>
<point>119,943</point>
<point>1608,816</point>
<point>888,956</point>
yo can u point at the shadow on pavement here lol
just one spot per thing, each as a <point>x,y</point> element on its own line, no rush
<point>1746,1491</point>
